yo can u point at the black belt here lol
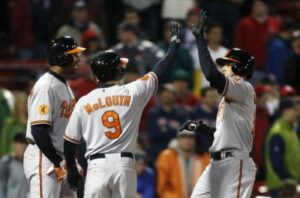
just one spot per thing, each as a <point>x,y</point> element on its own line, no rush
<point>102,155</point>
<point>218,155</point>
<point>30,141</point>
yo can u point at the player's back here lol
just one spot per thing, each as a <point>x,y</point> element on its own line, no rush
<point>109,118</point>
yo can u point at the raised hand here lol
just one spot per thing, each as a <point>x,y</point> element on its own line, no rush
<point>198,30</point>
<point>175,32</point>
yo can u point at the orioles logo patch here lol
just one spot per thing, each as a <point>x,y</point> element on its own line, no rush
<point>43,109</point>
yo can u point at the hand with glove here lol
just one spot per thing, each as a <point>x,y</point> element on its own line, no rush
<point>198,29</point>
<point>198,127</point>
<point>59,171</point>
<point>74,178</point>
<point>175,32</point>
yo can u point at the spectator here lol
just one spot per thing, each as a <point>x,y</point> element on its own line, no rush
<point>149,12</point>
<point>178,168</point>
<point>13,183</point>
<point>163,121</point>
<point>207,112</point>
<point>78,23</point>
<point>279,49</point>
<point>142,52</point>
<point>184,97</point>
<point>282,147</point>
<point>291,68</point>
<point>92,41</point>
<point>183,59</point>
<point>214,39</point>
<point>287,91</point>
<point>14,123</point>
<point>261,128</point>
<point>253,32</point>
<point>273,101</point>
<point>227,13</point>
<point>132,16</point>
<point>145,177</point>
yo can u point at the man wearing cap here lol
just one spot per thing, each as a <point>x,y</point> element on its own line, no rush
<point>50,105</point>
<point>179,167</point>
<point>282,148</point>
<point>79,23</point>
<point>140,51</point>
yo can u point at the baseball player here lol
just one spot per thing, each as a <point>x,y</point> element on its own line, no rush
<point>108,120</point>
<point>231,172</point>
<point>50,105</point>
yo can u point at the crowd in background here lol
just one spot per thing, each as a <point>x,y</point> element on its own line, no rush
<point>168,163</point>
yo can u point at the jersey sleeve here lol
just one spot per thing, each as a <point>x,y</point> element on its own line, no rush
<point>236,89</point>
<point>74,128</point>
<point>41,108</point>
<point>145,87</point>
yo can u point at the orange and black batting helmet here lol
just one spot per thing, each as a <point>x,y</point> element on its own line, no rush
<point>242,63</point>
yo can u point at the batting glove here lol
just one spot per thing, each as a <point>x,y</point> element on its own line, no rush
<point>198,30</point>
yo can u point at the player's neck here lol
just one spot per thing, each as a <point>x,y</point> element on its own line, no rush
<point>58,71</point>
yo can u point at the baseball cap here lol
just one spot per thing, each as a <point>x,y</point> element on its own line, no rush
<point>286,103</point>
<point>287,90</point>
<point>127,26</point>
<point>180,75</point>
<point>261,89</point>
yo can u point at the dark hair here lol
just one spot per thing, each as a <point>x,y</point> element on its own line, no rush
<point>126,26</point>
<point>20,137</point>
<point>205,90</point>
<point>211,25</point>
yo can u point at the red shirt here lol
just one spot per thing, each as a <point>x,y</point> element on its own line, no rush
<point>261,129</point>
<point>252,36</point>
<point>81,86</point>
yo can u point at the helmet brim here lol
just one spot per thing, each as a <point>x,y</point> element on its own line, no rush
<point>223,61</point>
<point>75,50</point>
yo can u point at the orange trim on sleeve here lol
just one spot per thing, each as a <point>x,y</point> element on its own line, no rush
<point>40,122</point>
<point>71,139</point>
<point>240,180</point>
<point>156,82</point>
<point>40,174</point>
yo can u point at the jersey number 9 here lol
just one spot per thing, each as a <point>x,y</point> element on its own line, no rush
<point>110,119</point>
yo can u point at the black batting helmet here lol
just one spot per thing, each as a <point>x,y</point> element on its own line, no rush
<point>242,62</point>
<point>60,49</point>
<point>108,66</point>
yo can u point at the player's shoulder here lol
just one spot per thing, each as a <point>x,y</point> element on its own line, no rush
<point>44,83</point>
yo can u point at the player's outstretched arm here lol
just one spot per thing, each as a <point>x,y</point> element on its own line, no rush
<point>74,178</point>
<point>211,73</point>
<point>198,127</point>
<point>167,60</point>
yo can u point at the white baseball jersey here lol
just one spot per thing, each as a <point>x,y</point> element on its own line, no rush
<point>108,118</point>
<point>51,102</point>
<point>236,117</point>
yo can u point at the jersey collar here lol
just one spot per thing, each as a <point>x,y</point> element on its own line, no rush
<point>60,78</point>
